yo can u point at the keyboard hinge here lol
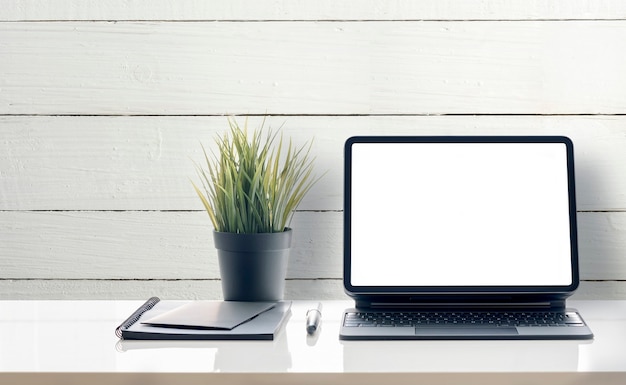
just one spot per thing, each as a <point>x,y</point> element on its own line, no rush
<point>461,305</point>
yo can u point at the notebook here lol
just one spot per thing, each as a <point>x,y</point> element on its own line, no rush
<point>469,237</point>
<point>205,320</point>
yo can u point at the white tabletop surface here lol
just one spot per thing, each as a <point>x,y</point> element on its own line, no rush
<point>74,342</point>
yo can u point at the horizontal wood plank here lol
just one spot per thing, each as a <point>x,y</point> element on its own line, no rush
<point>145,245</point>
<point>311,10</point>
<point>331,289</point>
<point>142,290</point>
<point>147,163</point>
<point>173,245</point>
<point>212,68</point>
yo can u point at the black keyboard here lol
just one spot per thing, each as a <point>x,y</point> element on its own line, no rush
<point>460,318</point>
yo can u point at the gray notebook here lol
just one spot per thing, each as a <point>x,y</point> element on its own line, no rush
<point>441,232</point>
<point>205,320</point>
<point>217,315</point>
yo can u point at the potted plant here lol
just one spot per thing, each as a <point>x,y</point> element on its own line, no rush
<point>250,189</point>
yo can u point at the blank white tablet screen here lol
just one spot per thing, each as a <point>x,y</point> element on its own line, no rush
<point>460,214</point>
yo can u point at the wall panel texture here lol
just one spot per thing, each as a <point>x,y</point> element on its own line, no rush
<point>104,104</point>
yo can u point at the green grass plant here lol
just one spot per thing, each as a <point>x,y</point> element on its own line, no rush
<point>255,182</point>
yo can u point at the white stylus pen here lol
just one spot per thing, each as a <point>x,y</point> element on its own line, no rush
<point>313,319</point>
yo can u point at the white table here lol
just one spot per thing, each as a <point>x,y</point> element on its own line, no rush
<point>73,342</point>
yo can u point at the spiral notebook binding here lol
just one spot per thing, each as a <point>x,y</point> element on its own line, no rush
<point>136,315</point>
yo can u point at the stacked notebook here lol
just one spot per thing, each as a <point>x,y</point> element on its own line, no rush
<point>205,320</point>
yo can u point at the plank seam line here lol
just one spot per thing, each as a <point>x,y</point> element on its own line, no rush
<point>152,279</point>
<point>461,114</point>
<point>147,280</point>
<point>202,211</point>
<point>144,211</point>
<point>409,20</point>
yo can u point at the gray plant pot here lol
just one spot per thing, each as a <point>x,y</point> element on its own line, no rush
<point>253,267</point>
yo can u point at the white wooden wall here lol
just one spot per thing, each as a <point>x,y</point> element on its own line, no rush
<point>103,104</point>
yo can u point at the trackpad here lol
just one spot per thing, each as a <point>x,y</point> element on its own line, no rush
<point>465,331</point>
